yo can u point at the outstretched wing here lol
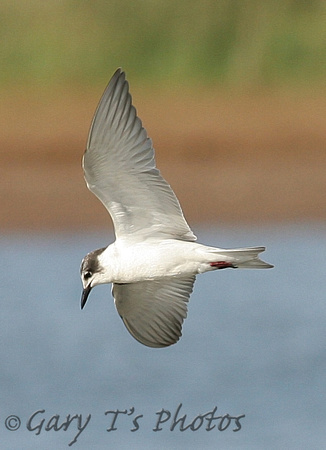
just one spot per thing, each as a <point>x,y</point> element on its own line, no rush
<point>120,170</point>
<point>153,311</point>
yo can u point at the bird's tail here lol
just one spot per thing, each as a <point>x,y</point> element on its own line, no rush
<point>245,258</point>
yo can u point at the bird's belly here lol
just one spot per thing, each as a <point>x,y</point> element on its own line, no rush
<point>146,262</point>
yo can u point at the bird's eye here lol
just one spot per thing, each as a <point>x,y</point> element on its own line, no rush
<point>87,275</point>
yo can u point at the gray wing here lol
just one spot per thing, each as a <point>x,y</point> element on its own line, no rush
<point>153,311</point>
<point>120,170</point>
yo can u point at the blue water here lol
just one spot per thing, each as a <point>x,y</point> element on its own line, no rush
<point>254,344</point>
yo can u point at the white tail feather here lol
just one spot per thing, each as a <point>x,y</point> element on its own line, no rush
<point>246,258</point>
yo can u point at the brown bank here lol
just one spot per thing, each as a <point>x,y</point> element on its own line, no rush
<point>257,159</point>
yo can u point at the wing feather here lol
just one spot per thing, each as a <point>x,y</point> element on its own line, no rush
<point>119,167</point>
<point>153,311</point>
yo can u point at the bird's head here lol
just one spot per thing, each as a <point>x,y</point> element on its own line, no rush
<point>91,273</point>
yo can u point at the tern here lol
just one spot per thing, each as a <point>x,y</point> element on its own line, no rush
<point>155,258</point>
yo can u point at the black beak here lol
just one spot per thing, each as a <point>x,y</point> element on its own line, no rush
<point>85,295</point>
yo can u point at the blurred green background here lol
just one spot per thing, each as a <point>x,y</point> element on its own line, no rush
<point>234,43</point>
<point>232,93</point>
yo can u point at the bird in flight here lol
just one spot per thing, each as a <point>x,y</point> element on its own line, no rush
<point>155,258</point>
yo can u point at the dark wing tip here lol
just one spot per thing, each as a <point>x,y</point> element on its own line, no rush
<point>117,74</point>
<point>154,339</point>
<point>116,83</point>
